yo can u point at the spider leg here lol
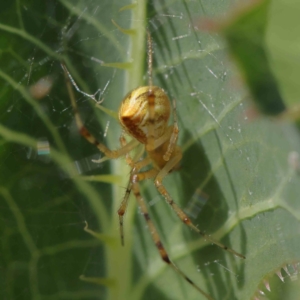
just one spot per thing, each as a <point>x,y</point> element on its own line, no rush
<point>180,213</point>
<point>151,97</point>
<point>122,210</point>
<point>137,177</point>
<point>124,203</point>
<point>128,158</point>
<point>87,135</point>
<point>174,135</point>
<point>136,166</point>
<point>150,60</point>
<point>159,141</point>
<point>155,236</point>
<point>92,96</point>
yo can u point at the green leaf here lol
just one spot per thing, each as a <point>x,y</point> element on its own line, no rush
<point>245,34</point>
<point>246,171</point>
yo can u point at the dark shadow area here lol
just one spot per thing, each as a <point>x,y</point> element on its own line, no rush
<point>195,168</point>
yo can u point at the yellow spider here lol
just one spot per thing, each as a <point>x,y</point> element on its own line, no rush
<point>144,114</point>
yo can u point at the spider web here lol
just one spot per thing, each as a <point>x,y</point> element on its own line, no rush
<point>234,181</point>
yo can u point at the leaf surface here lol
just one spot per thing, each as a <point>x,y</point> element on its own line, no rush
<point>247,171</point>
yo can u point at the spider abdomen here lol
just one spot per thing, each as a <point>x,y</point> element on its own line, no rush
<point>134,112</point>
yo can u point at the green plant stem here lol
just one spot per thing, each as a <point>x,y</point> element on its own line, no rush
<point>119,259</point>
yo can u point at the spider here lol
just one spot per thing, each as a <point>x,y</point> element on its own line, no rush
<point>144,114</point>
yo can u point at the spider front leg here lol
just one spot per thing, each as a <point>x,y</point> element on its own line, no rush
<point>154,233</point>
<point>180,213</point>
<point>86,134</point>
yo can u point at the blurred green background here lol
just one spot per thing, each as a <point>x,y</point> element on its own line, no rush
<point>248,169</point>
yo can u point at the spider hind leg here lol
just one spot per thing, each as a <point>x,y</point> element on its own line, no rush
<point>156,239</point>
<point>180,213</point>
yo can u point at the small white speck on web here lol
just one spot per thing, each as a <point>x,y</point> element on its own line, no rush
<point>193,94</point>
<point>210,71</point>
<point>104,89</point>
<point>106,128</point>
<point>172,16</point>
<point>30,69</point>
<point>217,262</point>
<point>212,55</point>
<point>10,108</point>
<point>44,60</point>
<point>63,110</point>
<point>180,37</point>
<point>97,60</point>
<point>210,113</point>
<point>230,139</point>
<point>74,27</point>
